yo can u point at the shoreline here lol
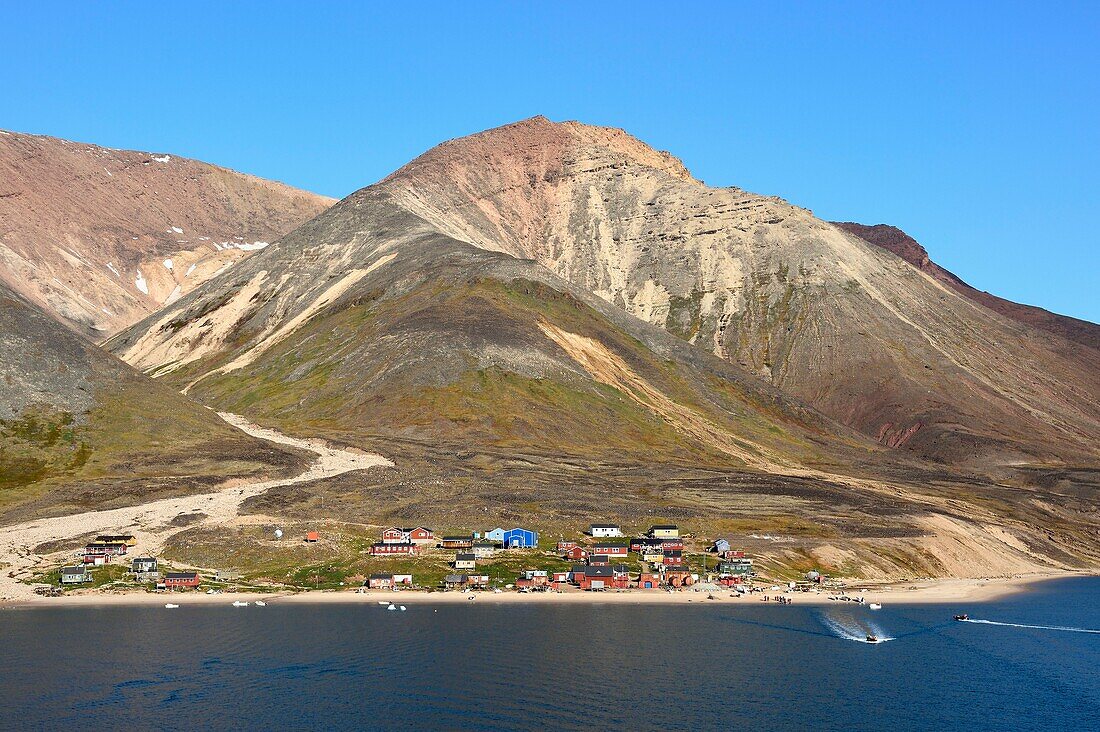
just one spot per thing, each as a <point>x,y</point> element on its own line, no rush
<point>924,592</point>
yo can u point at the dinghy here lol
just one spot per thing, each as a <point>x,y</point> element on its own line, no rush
<point>238,603</point>
<point>170,606</point>
<point>875,606</point>
<point>261,603</point>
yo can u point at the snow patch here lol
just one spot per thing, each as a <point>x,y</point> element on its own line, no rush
<point>162,158</point>
<point>112,268</point>
<point>190,270</point>
<point>252,247</point>
<point>140,283</point>
<point>107,172</point>
<point>176,229</point>
<point>168,264</point>
<point>174,295</point>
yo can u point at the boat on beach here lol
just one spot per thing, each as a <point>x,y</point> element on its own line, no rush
<point>170,606</point>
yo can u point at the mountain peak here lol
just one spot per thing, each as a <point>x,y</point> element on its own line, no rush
<point>540,147</point>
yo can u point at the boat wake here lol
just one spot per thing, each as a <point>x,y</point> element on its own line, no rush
<point>849,627</point>
<point>1034,627</point>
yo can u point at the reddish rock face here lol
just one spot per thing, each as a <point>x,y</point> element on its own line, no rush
<point>99,238</point>
<point>897,241</point>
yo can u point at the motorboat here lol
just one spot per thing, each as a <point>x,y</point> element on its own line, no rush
<point>872,638</point>
<point>170,606</point>
<point>239,603</point>
<point>875,606</point>
<point>392,607</point>
<point>403,608</point>
<point>261,603</point>
<point>961,617</point>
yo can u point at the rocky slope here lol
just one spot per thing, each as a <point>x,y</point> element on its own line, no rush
<point>510,317</point>
<point>80,428</point>
<point>897,241</point>
<point>101,237</point>
<point>845,325</point>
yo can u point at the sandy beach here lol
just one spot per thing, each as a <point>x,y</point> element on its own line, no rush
<point>959,592</point>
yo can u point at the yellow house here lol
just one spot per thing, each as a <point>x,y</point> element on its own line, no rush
<point>664,531</point>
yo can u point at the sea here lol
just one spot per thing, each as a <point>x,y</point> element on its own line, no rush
<point>1028,662</point>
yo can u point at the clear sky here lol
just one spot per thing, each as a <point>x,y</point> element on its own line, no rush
<point>975,127</point>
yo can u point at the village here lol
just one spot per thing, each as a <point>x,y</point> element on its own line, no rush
<point>603,558</point>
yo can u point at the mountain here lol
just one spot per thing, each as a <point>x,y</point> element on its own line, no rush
<point>80,428</point>
<point>99,238</point>
<point>897,241</point>
<point>551,322</point>
<point>842,324</point>
<point>368,320</point>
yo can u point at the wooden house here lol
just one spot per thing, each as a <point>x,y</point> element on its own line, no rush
<point>604,531</point>
<point>174,580</point>
<point>458,542</point>
<point>465,561</point>
<point>663,531</point>
<point>384,549</point>
<point>74,575</point>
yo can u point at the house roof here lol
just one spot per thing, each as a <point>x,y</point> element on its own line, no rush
<point>578,568</point>
<point>465,537</point>
<point>73,570</point>
<point>393,543</point>
<point>673,552</point>
<point>181,575</point>
<point>465,557</point>
<point>381,576</point>
<point>676,568</point>
<point>599,572</point>
<point>611,545</point>
<point>662,526</point>
<point>455,578</point>
<point>605,526</point>
<point>145,559</point>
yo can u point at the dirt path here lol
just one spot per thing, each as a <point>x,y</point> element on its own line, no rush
<point>150,522</point>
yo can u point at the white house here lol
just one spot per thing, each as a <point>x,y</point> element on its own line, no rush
<point>602,531</point>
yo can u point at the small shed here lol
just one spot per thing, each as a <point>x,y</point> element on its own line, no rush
<point>312,536</point>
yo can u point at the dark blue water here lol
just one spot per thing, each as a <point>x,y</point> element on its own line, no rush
<point>478,666</point>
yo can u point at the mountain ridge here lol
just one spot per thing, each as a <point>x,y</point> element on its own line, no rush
<point>99,237</point>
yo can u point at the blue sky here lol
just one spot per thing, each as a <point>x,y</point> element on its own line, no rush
<point>972,126</point>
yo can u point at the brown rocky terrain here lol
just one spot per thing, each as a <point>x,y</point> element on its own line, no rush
<point>80,428</point>
<point>845,325</point>
<point>548,320</point>
<point>100,238</point>
<point>897,241</point>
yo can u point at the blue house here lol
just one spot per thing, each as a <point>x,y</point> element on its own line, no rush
<point>495,535</point>
<point>520,539</point>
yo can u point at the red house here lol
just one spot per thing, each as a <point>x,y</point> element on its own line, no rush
<point>672,557</point>
<point>560,577</point>
<point>614,551</point>
<point>599,560</point>
<point>395,535</point>
<point>106,550</point>
<point>602,578</point>
<point>385,549</point>
<point>648,581</point>
<point>576,553</point>
<point>564,546</point>
<point>174,580</point>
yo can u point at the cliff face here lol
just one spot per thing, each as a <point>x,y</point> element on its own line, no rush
<point>99,238</point>
<point>828,317</point>
<point>897,241</point>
